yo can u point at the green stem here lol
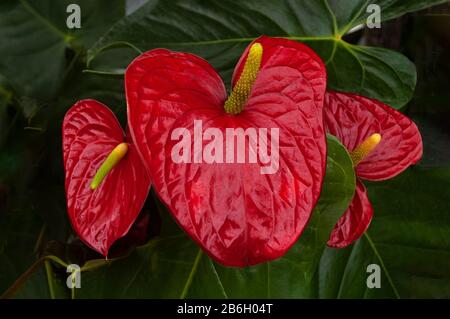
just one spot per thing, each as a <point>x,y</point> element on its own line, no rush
<point>191,275</point>
<point>40,239</point>
<point>72,290</point>
<point>36,129</point>
<point>117,44</point>
<point>49,272</point>
<point>383,266</point>
<point>100,72</point>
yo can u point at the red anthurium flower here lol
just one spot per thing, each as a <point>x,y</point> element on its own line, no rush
<point>106,181</point>
<point>382,143</point>
<point>244,203</point>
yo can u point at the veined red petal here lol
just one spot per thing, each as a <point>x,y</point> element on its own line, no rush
<point>354,222</point>
<point>352,119</point>
<point>101,216</point>
<point>238,215</point>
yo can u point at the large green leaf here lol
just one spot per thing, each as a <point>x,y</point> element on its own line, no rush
<point>350,13</point>
<point>408,239</point>
<point>218,30</point>
<point>35,39</point>
<point>175,267</point>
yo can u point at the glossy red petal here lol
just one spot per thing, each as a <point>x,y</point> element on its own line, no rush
<point>352,119</point>
<point>354,222</point>
<point>238,215</point>
<point>101,216</point>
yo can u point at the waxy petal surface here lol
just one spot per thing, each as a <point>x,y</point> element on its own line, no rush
<point>100,216</point>
<point>352,119</point>
<point>354,222</point>
<point>238,215</point>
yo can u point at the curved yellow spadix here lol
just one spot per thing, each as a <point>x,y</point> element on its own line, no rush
<point>111,161</point>
<point>241,91</point>
<point>366,147</point>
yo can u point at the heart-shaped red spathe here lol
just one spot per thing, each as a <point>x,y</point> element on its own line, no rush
<point>238,215</point>
<point>101,216</point>
<point>352,119</point>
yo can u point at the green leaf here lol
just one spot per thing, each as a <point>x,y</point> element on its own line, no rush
<point>351,13</point>
<point>35,39</point>
<point>373,72</point>
<point>219,30</point>
<point>175,267</point>
<point>408,238</point>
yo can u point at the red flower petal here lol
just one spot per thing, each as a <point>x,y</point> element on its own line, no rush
<point>100,216</point>
<point>355,220</point>
<point>239,216</point>
<point>353,118</point>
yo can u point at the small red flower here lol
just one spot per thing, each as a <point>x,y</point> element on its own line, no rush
<point>106,181</point>
<point>382,143</point>
<point>238,215</point>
